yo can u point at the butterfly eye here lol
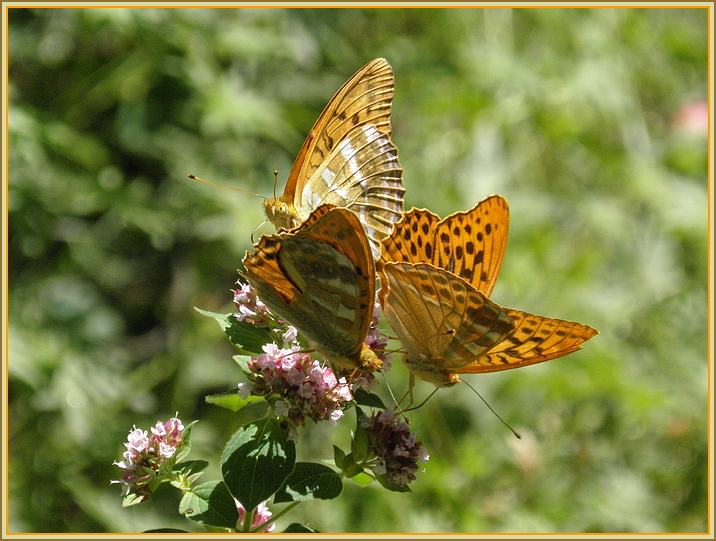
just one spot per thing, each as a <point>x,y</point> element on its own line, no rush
<point>281,209</point>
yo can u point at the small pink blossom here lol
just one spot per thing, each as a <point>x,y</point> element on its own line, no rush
<point>249,308</point>
<point>147,458</point>
<point>297,386</point>
<point>261,515</point>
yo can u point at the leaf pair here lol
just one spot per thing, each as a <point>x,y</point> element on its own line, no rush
<point>258,462</point>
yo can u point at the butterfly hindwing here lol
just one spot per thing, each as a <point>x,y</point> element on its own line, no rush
<point>443,322</point>
<point>412,238</point>
<point>472,244</point>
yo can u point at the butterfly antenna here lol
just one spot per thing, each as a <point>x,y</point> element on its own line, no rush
<point>225,187</point>
<point>275,182</point>
<point>517,435</point>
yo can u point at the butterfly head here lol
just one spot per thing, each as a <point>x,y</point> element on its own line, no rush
<point>281,214</point>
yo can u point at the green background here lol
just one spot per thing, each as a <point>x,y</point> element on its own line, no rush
<point>590,122</point>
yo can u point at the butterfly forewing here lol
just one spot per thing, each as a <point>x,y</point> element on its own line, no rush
<point>349,146</point>
<point>365,99</point>
<point>321,279</point>
<point>362,173</point>
<point>534,340</point>
<point>472,244</point>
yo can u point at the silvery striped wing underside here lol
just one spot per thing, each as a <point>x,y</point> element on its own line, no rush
<point>362,173</point>
<point>348,159</point>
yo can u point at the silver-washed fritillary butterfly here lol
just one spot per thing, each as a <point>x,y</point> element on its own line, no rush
<point>434,274</point>
<point>348,159</point>
<point>320,278</point>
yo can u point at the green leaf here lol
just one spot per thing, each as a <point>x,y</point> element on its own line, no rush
<point>359,445</point>
<point>338,457</point>
<point>189,467</point>
<point>185,446</point>
<point>245,336</point>
<point>353,470</point>
<point>363,479</point>
<point>249,409</point>
<point>257,461</point>
<point>131,499</point>
<point>295,527</point>
<point>243,362</point>
<point>368,399</point>
<point>310,481</point>
<point>211,504</point>
<point>233,401</point>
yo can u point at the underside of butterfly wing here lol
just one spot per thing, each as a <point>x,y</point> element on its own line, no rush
<point>321,280</point>
<point>534,340</point>
<point>472,244</point>
<point>442,321</point>
<point>362,173</point>
<point>365,100</point>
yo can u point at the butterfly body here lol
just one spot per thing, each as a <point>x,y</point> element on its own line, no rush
<point>320,278</point>
<point>443,317</point>
<point>348,159</point>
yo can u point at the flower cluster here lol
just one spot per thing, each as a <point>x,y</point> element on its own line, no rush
<point>249,308</point>
<point>395,449</point>
<point>147,460</point>
<point>297,386</point>
<point>260,516</point>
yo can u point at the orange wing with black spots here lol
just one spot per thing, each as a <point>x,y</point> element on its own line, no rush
<point>431,273</point>
<point>469,244</point>
<point>472,244</point>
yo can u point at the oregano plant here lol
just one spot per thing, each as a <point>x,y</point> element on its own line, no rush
<point>284,387</point>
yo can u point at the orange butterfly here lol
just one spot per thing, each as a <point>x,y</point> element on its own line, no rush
<point>320,278</point>
<point>348,159</point>
<point>435,278</point>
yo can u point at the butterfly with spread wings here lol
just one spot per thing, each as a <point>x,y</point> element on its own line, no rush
<point>436,276</point>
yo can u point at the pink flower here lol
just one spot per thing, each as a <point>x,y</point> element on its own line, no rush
<point>297,386</point>
<point>147,458</point>
<point>249,308</point>
<point>260,516</point>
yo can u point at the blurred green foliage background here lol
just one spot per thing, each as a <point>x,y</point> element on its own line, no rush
<point>591,122</point>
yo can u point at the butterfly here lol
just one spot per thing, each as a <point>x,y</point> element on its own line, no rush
<point>348,159</point>
<point>320,278</point>
<point>436,276</point>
